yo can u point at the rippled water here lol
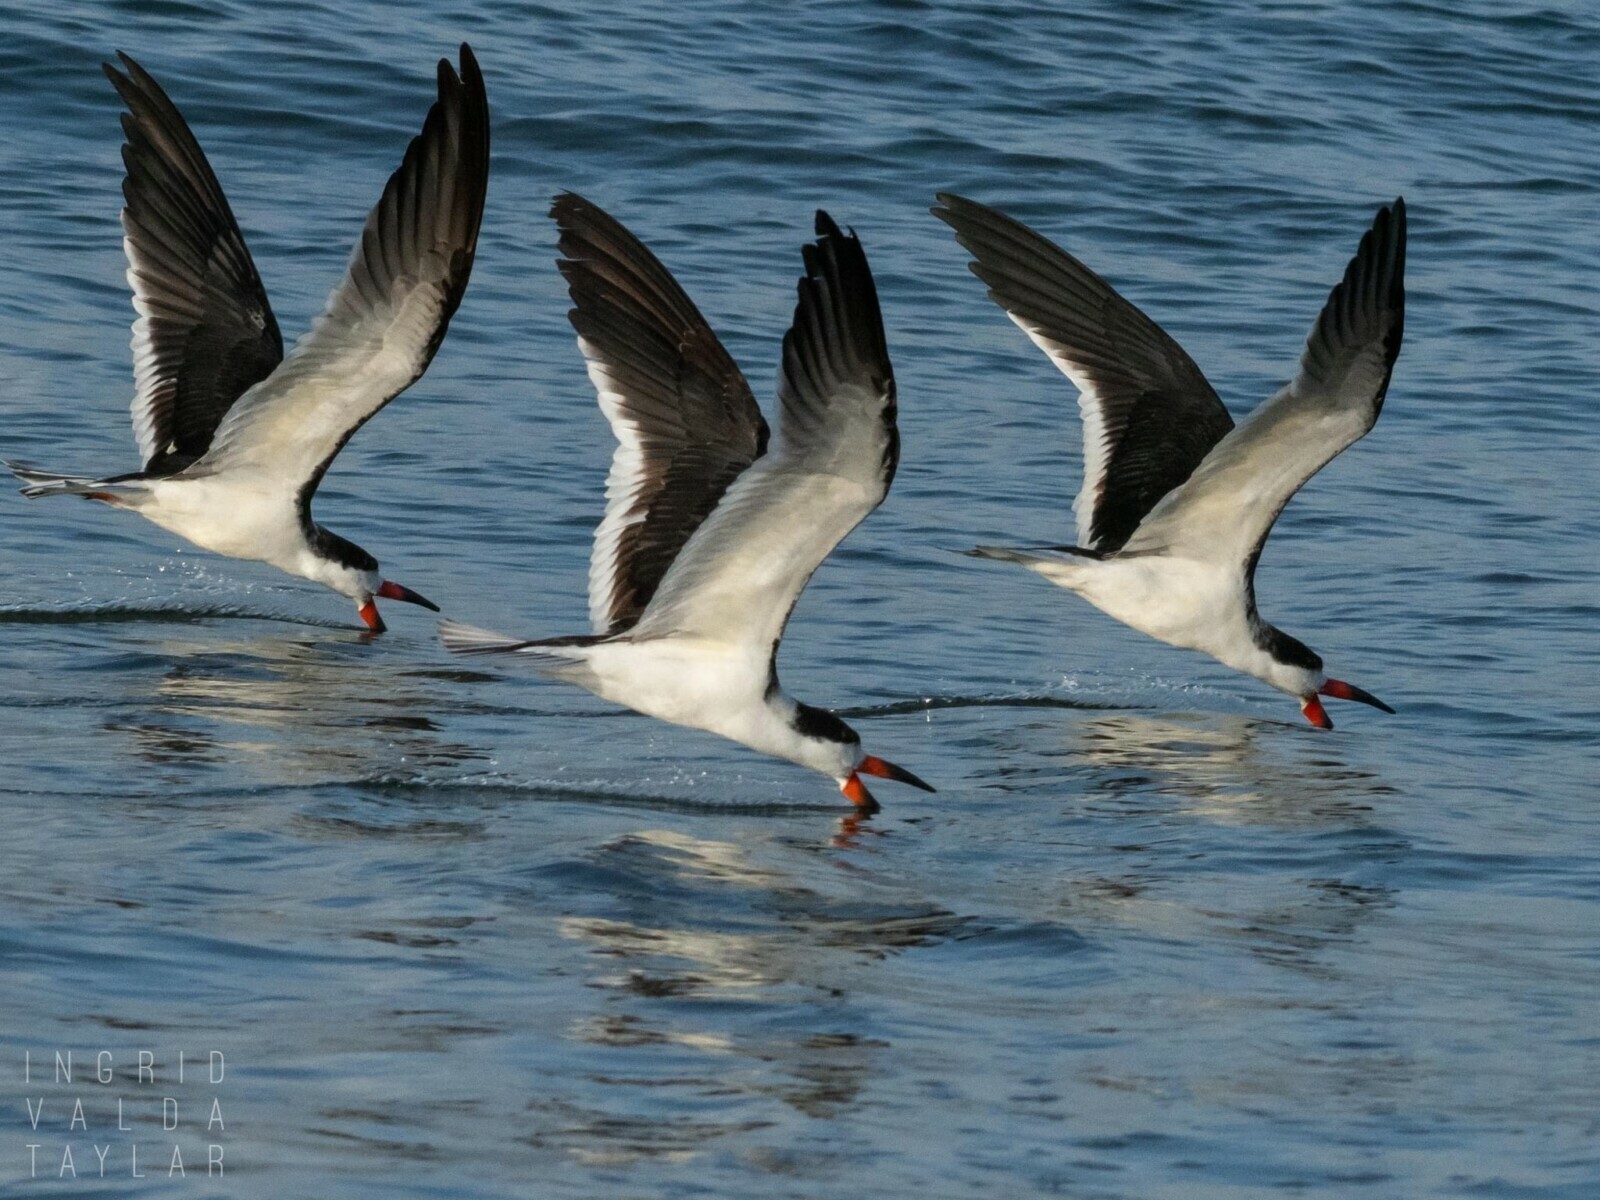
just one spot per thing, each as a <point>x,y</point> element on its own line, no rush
<point>464,933</point>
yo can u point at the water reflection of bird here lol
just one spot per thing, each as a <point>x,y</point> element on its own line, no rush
<point>1221,766</point>
<point>295,711</point>
<point>715,921</point>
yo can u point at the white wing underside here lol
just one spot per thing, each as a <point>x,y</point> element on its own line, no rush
<point>624,484</point>
<point>1229,504</point>
<point>738,577</point>
<point>150,389</point>
<point>1225,509</point>
<point>1095,455</point>
<point>364,349</point>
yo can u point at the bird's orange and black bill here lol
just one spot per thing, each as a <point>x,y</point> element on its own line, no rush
<point>393,591</point>
<point>1315,713</point>
<point>369,614</point>
<point>858,795</point>
<point>1340,690</point>
<point>887,770</point>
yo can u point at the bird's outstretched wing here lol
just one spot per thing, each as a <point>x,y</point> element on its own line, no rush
<point>1226,509</point>
<point>384,322</point>
<point>837,448</point>
<point>685,420</point>
<point>1149,415</point>
<point>205,331</point>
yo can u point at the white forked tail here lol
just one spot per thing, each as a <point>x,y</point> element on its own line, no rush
<point>1028,558</point>
<point>561,657</point>
<point>1063,566</point>
<point>48,483</point>
<point>469,639</point>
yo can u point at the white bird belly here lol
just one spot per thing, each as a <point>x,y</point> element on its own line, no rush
<point>230,516</point>
<point>683,680</point>
<point>1183,602</point>
<point>703,684</point>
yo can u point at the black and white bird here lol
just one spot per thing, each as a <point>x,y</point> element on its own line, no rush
<point>709,537</point>
<point>235,437</point>
<point>1177,501</point>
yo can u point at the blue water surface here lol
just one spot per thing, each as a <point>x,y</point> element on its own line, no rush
<point>458,932</point>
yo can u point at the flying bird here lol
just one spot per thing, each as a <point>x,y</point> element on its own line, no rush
<point>1176,500</point>
<point>709,535</point>
<point>233,435</point>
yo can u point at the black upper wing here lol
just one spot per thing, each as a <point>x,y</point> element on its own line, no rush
<point>685,420</point>
<point>1149,415</point>
<point>205,331</point>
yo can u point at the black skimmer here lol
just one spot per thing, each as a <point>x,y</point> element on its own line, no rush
<point>1176,500</point>
<point>234,436</point>
<point>708,538</point>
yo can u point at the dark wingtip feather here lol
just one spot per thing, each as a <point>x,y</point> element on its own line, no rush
<point>134,83</point>
<point>1374,282</point>
<point>953,209</point>
<point>996,240</point>
<point>1397,284</point>
<point>478,108</point>
<point>837,262</point>
<point>565,206</point>
<point>826,227</point>
<point>836,337</point>
<point>948,204</point>
<point>1366,308</point>
<point>465,94</point>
